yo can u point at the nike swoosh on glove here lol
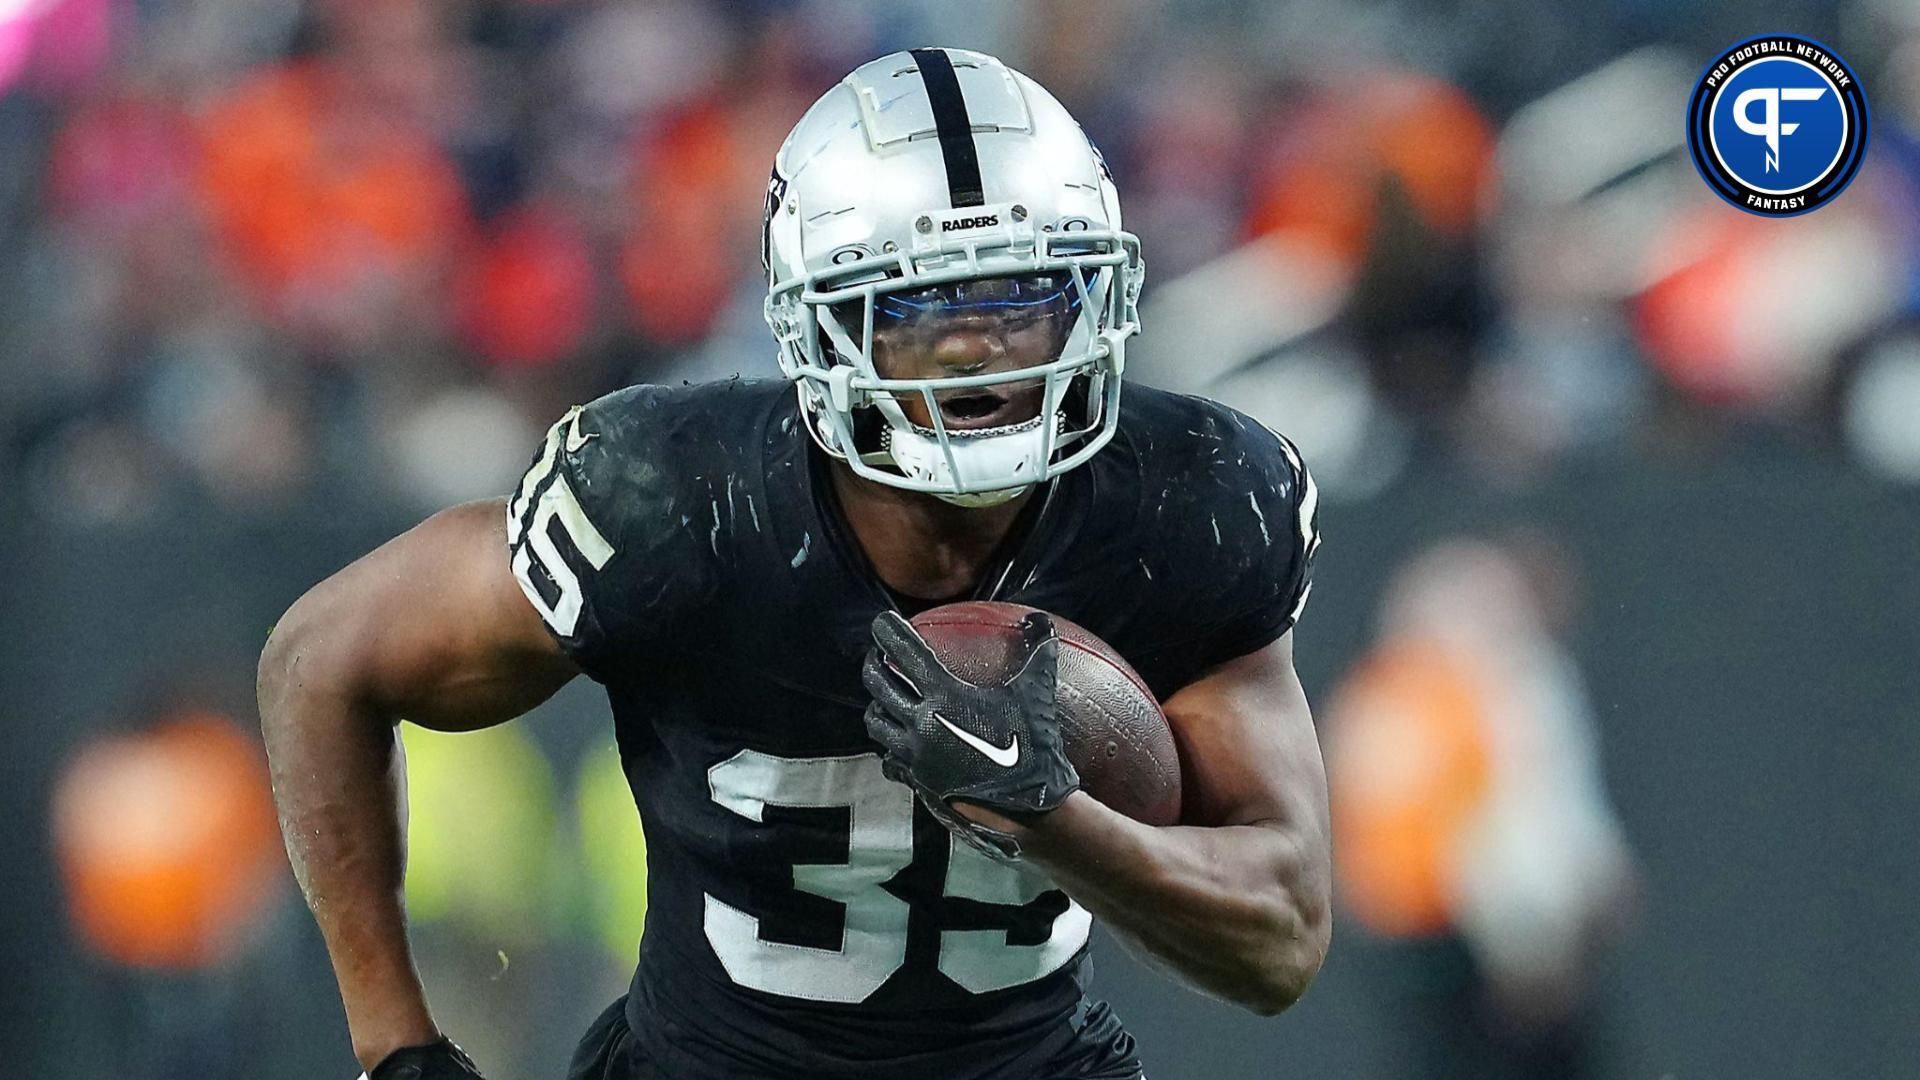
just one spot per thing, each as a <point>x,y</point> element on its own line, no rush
<point>947,738</point>
<point>441,1060</point>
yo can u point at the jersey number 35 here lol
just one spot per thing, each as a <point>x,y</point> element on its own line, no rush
<point>880,845</point>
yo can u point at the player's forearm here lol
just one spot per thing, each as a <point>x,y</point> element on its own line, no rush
<point>339,784</point>
<point>1240,912</point>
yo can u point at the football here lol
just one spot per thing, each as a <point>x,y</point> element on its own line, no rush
<point>1115,732</point>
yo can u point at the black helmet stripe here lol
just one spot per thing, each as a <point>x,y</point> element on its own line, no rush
<point>951,123</point>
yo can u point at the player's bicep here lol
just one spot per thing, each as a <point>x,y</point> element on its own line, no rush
<point>431,627</point>
<point>1248,749</point>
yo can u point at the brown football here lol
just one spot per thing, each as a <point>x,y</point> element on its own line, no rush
<point>1114,731</point>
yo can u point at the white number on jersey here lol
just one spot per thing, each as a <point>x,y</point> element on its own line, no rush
<point>532,542</point>
<point>881,845</point>
<point>982,960</point>
<point>874,943</point>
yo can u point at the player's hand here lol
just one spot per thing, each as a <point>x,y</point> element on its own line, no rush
<point>441,1060</point>
<point>997,746</point>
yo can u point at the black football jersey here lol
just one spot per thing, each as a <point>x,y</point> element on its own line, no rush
<point>806,917</point>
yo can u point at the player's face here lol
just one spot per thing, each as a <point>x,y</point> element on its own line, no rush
<point>978,327</point>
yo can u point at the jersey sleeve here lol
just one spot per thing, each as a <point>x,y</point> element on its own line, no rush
<point>592,536</point>
<point>1242,542</point>
<point>1270,593</point>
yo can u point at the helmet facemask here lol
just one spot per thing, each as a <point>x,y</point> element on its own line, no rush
<point>968,369</point>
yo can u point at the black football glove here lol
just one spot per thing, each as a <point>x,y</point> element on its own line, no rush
<point>998,746</point>
<point>440,1060</point>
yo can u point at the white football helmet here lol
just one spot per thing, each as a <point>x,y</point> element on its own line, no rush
<point>936,193</point>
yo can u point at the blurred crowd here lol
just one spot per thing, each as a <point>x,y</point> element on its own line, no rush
<point>267,251</point>
<point>358,253</point>
<point>1472,823</point>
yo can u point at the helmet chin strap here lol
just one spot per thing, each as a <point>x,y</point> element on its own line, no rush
<point>1010,452</point>
<point>976,499</point>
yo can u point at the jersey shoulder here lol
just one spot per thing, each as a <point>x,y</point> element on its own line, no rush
<point>1182,436</point>
<point>701,424</point>
<point>1229,512</point>
<point>608,528</point>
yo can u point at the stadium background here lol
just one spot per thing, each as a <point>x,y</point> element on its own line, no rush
<point>280,278</point>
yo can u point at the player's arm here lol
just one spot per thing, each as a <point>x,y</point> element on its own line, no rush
<point>431,628</point>
<point>1237,902</point>
<point>1234,901</point>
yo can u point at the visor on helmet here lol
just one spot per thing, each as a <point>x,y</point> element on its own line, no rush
<point>968,330</point>
<point>968,327</point>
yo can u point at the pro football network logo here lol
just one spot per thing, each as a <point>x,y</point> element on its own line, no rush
<point>1778,125</point>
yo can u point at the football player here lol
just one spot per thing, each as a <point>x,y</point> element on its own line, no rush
<point>952,294</point>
